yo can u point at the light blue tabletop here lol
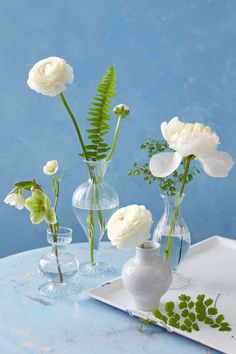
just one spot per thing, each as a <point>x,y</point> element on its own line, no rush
<point>33,324</point>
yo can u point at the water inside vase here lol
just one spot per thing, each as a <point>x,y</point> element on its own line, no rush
<point>99,217</point>
<point>179,248</point>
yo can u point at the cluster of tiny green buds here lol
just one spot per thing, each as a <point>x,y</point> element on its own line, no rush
<point>169,184</point>
<point>121,110</point>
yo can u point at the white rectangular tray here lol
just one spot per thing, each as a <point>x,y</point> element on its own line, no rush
<point>211,268</point>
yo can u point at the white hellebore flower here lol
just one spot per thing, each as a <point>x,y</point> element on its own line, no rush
<point>121,110</point>
<point>129,227</point>
<point>49,76</point>
<point>16,200</point>
<point>51,167</point>
<point>190,139</point>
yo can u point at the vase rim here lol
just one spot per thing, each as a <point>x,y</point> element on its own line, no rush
<point>63,231</point>
<point>171,196</point>
<point>151,246</point>
<point>97,162</point>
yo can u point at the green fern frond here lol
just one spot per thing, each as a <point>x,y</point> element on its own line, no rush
<point>99,116</point>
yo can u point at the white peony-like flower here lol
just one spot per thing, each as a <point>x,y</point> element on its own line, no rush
<point>190,139</point>
<point>51,167</point>
<point>129,227</point>
<point>49,76</point>
<point>121,110</point>
<point>16,200</point>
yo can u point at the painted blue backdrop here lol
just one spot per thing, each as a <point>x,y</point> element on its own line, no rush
<point>172,58</point>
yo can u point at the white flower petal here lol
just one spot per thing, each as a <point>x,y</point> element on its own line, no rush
<point>51,167</point>
<point>171,130</point>
<point>218,164</point>
<point>163,130</point>
<point>163,164</point>
<point>49,76</point>
<point>200,144</point>
<point>16,200</point>
<point>130,226</point>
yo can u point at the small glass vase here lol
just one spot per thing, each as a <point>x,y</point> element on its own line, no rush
<point>93,204</point>
<point>58,266</point>
<point>173,229</point>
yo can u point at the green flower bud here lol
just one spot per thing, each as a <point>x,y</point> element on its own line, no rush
<point>121,110</point>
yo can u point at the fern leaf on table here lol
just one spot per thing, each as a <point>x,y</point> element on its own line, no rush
<point>99,116</point>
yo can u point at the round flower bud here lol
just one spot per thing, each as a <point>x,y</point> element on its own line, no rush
<point>51,167</point>
<point>121,110</point>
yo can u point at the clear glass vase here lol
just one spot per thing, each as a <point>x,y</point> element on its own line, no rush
<point>173,235</point>
<point>59,267</point>
<point>93,204</point>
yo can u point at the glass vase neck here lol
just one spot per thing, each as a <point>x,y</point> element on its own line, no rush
<point>170,201</point>
<point>97,169</point>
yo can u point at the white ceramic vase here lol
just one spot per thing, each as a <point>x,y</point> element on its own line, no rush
<point>146,277</point>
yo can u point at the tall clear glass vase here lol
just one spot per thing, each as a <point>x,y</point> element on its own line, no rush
<point>173,229</point>
<point>93,204</point>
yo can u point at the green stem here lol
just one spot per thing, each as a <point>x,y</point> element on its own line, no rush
<point>91,229</point>
<point>54,235</point>
<point>57,196</point>
<point>75,125</point>
<point>176,210</point>
<point>108,158</point>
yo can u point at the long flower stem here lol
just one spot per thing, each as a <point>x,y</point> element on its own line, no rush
<point>114,139</point>
<point>75,125</point>
<point>54,233</point>
<point>177,206</point>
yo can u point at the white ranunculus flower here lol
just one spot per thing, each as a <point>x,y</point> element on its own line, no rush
<point>190,139</point>
<point>129,227</point>
<point>16,200</point>
<point>51,167</point>
<point>49,76</point>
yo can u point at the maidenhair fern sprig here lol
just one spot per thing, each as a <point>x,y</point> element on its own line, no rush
<point>188,315</point>
<point>168,185</point>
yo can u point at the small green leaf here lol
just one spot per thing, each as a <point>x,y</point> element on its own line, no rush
<point>208,302</point>
<point>183,327</point>
<point>185,313</point>
<point>182,305</point>
<point>192,316</point>
<point>196,327</point>
<point>215,325</point>
<point>212,311</point>
<point>169,306</point>
<point>200,297</point>
<point>191,304</point>
<point>220,318</point>
<point>208,320</point>
<point>164,318</point>
<point>157,313</point>
<point>200,317</point>
<point>177,316</point>
<point>187,322</point>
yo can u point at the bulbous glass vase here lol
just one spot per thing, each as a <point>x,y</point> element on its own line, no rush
<point>58,266</point>
<point>172,230</point>
<point>93,204</point>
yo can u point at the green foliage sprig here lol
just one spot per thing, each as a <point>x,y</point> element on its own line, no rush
<point>188,314</point>
<point>168,185</point>
<point>99,116</point>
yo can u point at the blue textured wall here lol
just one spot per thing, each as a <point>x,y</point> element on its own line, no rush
<point>172,58</point>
